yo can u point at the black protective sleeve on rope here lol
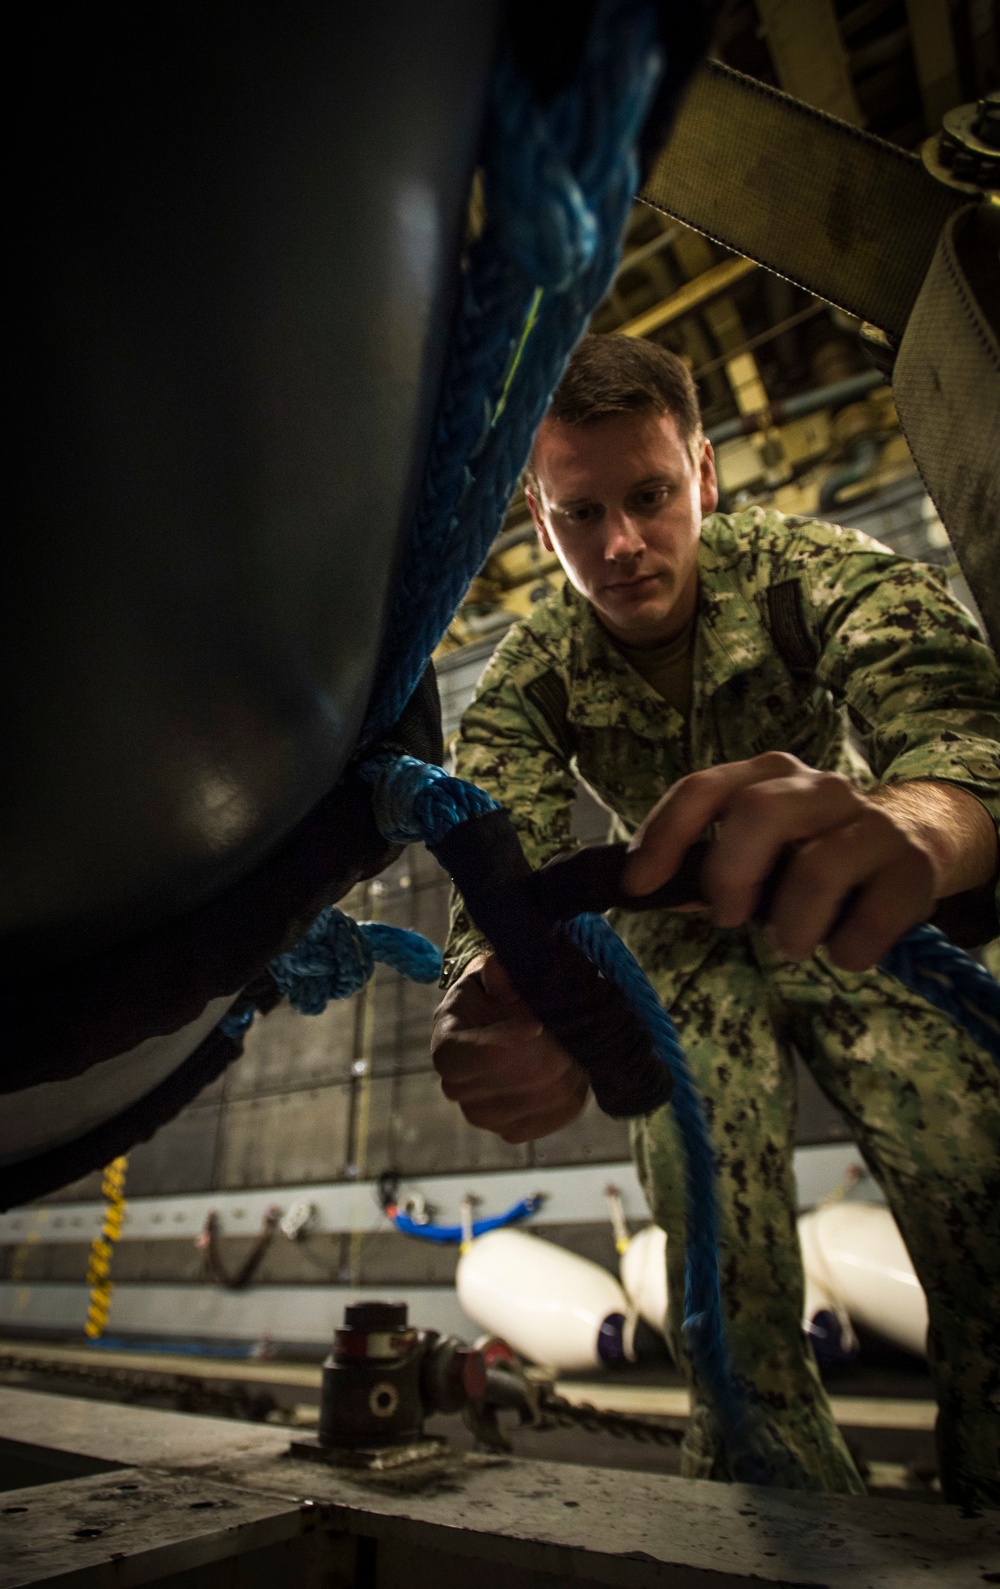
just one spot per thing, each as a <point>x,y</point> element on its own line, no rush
<point>590,1017</point>
<point>591,879</point>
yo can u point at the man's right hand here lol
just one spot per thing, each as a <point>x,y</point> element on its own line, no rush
<point>497,1061</point>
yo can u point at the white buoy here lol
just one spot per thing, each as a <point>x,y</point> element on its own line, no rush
<point>643,1268</point>
<point>855,1259</point>
<point>550,1305</point>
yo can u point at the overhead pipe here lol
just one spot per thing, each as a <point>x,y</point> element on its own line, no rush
<point>834,396</point>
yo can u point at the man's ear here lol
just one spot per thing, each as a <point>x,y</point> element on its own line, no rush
<point>536,513</point>
<point>708,479</point>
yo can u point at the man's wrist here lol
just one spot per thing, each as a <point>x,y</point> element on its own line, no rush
<point>952,825</point>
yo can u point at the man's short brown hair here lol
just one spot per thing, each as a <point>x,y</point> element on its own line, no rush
<point>618,375</point>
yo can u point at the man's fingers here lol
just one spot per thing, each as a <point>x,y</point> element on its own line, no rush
<point>880,916</point>
<point>894,884</point>
<point>515,1122</point>
<point>486,1061</point>
<point>761,820</point>
<point>498,1063</point>
<point>686,811</point>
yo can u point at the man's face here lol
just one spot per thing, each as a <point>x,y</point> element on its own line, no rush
<point>620,502</point>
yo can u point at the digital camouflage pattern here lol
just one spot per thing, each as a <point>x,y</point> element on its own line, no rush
<point>800,625</point>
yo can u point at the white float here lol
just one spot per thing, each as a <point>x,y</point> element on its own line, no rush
<point>643,1268</point>
<point>550,1305</point>
<point>855,1260</point>
<point>557,1308</point>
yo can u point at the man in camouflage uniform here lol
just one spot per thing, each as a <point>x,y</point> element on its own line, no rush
<point>694,673</point>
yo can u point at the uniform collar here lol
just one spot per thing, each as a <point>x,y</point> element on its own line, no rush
<point>606,692</point>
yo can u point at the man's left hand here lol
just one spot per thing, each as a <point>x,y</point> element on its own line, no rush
<point>897,851</point>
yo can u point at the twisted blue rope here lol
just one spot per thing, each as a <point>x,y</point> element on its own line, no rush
<point>704,1330</point>
<point>451,1234</point>
<point>927,962</point>
<point>558,181</point>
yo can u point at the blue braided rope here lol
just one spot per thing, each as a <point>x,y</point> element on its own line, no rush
<point>559,181</point>
<point>927,962</point>
<point>415,803</point>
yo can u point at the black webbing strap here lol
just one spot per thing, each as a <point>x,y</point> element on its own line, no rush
<point>845,215</point>
<point>589,1016</point>
<point>591,879</point>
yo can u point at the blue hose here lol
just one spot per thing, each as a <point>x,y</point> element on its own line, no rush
<point>450,1235</point>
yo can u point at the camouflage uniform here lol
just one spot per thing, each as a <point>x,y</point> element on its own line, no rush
<point>798,621</point>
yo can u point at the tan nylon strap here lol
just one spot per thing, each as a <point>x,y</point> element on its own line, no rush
<point>946,384</point>
<point>851,218</point>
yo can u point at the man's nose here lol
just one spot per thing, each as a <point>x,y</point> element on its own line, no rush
<point>622,539</point>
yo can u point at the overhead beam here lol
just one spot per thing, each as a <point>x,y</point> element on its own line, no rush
<point>809,55</point>
<point>934,54</point>
<point>689,297</point>
<point>694,255</point>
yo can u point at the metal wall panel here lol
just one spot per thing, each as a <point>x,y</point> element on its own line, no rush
<point>393,1261</point>
<point>402,1026</point>
<point>431,1135</point>
<point>283,1138</point>
<point>180,1157</point>
<point>299,1315</point>
<point>285,1051</point>
<point>593,1138</point>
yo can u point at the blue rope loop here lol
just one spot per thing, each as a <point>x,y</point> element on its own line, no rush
<point>413,801</point>
<point>559,181</point>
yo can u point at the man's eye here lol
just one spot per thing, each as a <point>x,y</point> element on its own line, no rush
<point>582,515</point>
<point>653,498</point>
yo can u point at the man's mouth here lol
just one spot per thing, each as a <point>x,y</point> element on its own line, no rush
<point>638,583</point>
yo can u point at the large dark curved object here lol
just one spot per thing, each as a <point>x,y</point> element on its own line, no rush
<point>240,233</point>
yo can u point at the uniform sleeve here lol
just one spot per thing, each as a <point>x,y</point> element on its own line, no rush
<point>920,684</point>
<point>507,747</point>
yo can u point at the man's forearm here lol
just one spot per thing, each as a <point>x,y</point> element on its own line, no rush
<point>955,828</point>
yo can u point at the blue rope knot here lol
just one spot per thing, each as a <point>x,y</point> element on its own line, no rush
<point>332,961</point>
<point>336,959</point>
